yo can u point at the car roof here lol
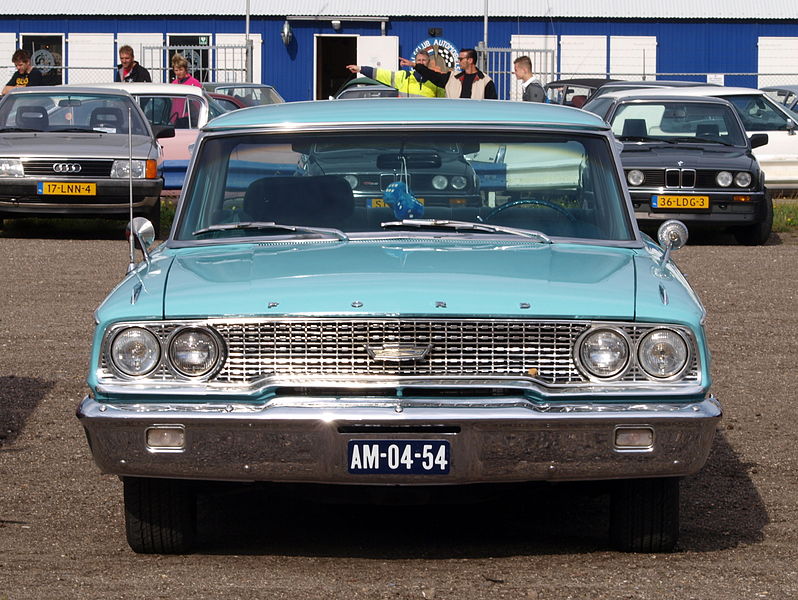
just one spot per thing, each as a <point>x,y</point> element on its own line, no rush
<point>580,82</point>
<point>70,89</point>
<point>212,85</point>
<point>138,88</point>
<point>655,83</point>
<point>367,112</point>
<point>675,95</point>
<point>699,91</point>
<point>774,88</point>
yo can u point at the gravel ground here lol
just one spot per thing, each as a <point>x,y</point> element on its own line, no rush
<point>61,523</point>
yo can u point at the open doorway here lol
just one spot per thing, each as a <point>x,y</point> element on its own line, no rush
<point>333,53</point>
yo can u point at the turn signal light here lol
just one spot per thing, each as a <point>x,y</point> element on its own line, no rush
<point>634,438</point>
<point>742,198</point>
<point>152,169</point>
<point>166,438</point>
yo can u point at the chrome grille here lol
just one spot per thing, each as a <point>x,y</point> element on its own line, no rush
<point>88,168</point>
<point>465,348</point>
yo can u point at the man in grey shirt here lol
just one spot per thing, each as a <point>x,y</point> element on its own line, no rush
<point>532,90</point>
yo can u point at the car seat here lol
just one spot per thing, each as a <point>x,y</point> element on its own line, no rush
<point>578,101</point>
<point>32,117</point>
<point>321,201</point>
<point>107,117</point>
<point>634,128</point>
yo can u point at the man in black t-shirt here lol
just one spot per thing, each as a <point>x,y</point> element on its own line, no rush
<point>26,75</point>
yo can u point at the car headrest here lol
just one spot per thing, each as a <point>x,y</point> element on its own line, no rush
<point>635,128</point>
<point>110,117</point>
<point>32,117</point>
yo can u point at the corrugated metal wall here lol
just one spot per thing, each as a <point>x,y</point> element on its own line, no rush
<point>683,46</point>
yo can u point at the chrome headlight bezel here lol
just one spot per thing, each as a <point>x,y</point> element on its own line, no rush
<point>440,182</point>
<point>216,361</point>
<point>674,373</point>
<point>148,338</point>
<point>352,181</point>
<point>616,372</point>
<point>459,182</point>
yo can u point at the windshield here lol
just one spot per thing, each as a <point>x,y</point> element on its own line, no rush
<point>760,113</point>
<point>677,121</point>
<point>561,185</point>
<point>252,96</point>
<point>70,112</point>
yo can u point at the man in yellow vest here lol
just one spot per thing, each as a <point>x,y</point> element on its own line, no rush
<point>470,82</point>
<point>407,82</point>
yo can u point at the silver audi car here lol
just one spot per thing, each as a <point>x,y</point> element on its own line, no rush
<point>67,152</point>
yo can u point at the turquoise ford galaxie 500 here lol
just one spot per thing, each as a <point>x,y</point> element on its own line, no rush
<point>375,326</point>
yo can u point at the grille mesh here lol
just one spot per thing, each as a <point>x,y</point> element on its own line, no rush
<point>468,348</point>
<point>88,168</point>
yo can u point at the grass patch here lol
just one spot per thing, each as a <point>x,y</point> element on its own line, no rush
<point>785,215</point>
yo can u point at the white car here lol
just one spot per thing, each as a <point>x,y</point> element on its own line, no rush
<point>185,107</point>
<point>759,114</point>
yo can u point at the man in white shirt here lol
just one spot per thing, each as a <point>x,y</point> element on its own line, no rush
<point>532,90</point>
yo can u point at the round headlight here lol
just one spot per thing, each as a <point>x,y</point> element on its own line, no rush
<point>635,177</point>
<point>662,353</point>
<point>724,179</point>
<point>194,352</point>
<point>459,182</point>
<point>439,182</point>
<point>742,179</point>
<point>604,352</point>
<point>351,180</point>
<point>135,351</point>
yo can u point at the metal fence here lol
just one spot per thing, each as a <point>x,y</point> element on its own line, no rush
<point>498,63</point>
<point>206,63</point>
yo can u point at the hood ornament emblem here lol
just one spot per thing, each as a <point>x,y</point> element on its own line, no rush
<point>398,352</point>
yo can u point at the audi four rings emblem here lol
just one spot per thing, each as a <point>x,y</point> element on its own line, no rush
<point>67,167</point>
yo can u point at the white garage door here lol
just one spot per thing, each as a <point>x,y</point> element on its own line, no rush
<point>777,60</point>
<point>90,58</point>
<point>583,55</point>
<point>633,56</point>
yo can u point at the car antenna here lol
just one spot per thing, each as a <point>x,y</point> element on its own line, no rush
<point>131,265</point>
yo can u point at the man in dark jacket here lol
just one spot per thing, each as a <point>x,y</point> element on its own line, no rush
<point>470,82</point>
<point>128,69</point>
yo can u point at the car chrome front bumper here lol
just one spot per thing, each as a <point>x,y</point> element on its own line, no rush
<point>299,439</point>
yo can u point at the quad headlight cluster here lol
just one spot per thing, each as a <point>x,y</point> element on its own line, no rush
<point>441,182</point>
<point>606,353</point>
<point>743,179</point>
<point>189,351</point>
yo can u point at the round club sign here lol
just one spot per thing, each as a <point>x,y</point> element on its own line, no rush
<point>442,52</point>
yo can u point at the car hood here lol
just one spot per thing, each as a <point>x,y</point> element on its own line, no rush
<point>77,145</point>
<point>396,278</point>
<point>661,156</point>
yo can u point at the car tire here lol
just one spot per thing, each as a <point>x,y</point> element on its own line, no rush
<point>758,234</point>
<point>154,216</point>
<point>160,515</point>
<point>644,514</point>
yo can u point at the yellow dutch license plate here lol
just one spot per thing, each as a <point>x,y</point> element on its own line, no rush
<point>380,203</point>
<point>62,188</point>
<point>680,202</point>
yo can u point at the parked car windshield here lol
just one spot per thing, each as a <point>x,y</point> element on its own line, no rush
<point>560,185</point>
<point>677,121</point>
<point>77,113</point>
<point>760,113</point>
<point>252,96</point>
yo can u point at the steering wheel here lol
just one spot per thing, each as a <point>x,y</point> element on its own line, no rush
<point>533,201</point>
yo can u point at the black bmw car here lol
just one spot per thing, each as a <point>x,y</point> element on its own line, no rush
<point>689,158</point>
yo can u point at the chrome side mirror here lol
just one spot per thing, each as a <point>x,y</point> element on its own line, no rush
<point>672,235</point>
<point>143,233</point>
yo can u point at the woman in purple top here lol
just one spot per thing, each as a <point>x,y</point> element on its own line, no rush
<point>180,109</point>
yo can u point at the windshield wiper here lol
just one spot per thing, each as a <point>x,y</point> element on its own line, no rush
<point>75,129</point>
<point>9,129</point>
<point>644,138</point>
<point>701,140</point>
<point>467,225</point>
<point>337,233</point>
